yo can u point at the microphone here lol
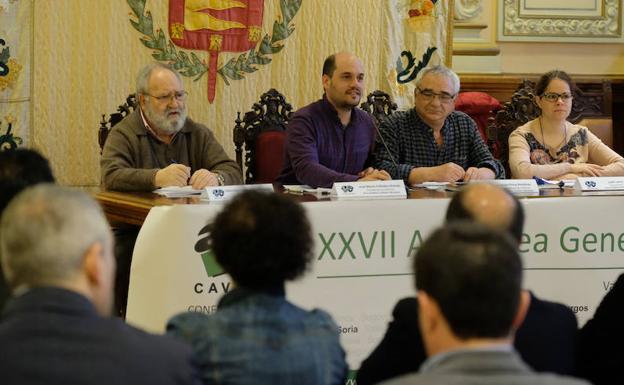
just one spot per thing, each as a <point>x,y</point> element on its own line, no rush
<point>383,141</point>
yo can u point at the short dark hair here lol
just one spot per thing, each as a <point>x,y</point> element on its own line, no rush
<point>474,273</point>
<point>544,81</point>
<point>457,211</point>
<point>329,66</point>
<point>19,169</point>
<point>262,239</point>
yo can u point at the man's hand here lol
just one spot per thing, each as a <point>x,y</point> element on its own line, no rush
<point>202,178</point>
<point>447,172</point>
<point>372,174</point>
<point>587,169</point>
<point>482,173</point>
<point>365,172</point>
<point>172,175</point>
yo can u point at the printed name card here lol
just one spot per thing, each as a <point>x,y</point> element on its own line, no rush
<point>225,193</point>
<point>382,189</point>
<point>522,187</point>
<point>608,183</point>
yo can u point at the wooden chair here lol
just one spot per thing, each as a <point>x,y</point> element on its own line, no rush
<point>590,108</point>
<point>479,106</point>
<point>122,111</point>
<point>262,132</point>
<point>379,104</point>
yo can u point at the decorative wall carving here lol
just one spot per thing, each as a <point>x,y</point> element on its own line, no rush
<point>599,20</point>
<point>468,9</point>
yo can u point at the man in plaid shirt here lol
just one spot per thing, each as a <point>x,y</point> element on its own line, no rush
<point>432,142</point>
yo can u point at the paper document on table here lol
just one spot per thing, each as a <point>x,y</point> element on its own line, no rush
<point>431,185</point>
<point>304,188</point>
<point>177,192</point>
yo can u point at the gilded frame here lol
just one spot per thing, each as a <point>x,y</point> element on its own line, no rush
<point>577,21</point>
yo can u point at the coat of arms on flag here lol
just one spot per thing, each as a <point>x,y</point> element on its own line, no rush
<point>216,27</point>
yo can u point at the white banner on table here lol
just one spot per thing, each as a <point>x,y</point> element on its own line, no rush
<point>573,251</point>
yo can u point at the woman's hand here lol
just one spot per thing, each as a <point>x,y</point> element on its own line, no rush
<point>587,169</point>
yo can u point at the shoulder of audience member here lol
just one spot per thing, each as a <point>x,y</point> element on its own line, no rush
<point>187,325</point>
<point>541,306</point>
<point>406,309</point>
<point>151,344</point>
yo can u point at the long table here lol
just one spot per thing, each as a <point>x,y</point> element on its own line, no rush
<point>573,250</point>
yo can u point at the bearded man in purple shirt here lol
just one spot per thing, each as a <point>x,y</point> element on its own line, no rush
<point>331,139</point>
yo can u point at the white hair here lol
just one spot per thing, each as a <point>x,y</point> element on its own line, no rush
<point>143,76</point>
<point>442,71</point>
<point>45,232</point>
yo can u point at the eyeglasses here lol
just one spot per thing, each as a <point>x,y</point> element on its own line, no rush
<point>179,96</point>
<point>430,95</point>
<point>553,96</point>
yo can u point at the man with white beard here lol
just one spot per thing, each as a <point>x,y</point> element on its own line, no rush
<point>157,145</point>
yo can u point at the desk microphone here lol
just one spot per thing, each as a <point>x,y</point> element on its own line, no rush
<point>383,141</point>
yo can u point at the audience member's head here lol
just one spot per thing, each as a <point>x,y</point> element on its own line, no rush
<point>55,236</point>
<point>469,279</point>
<point>19,169</point>
<point>262,240</point>
<point>489,205</point>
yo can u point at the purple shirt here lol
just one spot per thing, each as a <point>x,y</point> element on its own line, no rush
<point>319,150</point>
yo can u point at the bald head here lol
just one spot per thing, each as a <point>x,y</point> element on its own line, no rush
<point>490,205</point>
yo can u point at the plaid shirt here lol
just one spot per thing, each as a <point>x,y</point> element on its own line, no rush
<point>411,143</point>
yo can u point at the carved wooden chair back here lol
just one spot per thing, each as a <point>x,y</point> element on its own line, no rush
<point>107,124</point>
<point>380,105</point>
<point>262,132</point>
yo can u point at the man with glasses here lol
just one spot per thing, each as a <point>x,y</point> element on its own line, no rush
<point>432,142</point>
<point>158,145</point>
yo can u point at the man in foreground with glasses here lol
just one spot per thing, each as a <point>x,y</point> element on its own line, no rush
<point>432,142</point>
<point>158,146</point>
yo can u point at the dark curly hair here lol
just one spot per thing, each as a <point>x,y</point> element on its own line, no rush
<point>545,80</point>
<point>262,239</point>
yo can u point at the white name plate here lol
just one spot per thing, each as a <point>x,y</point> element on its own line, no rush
<point>523,187</point>
<point>225,193</point>
<point>376,189</point>
<point>605,183</point>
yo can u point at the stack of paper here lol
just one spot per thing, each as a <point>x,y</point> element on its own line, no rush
<point>178,192</point>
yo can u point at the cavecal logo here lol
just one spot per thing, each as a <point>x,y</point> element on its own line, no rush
<point>203,246</point>
<point>347,188</point>
<point>590,183</point>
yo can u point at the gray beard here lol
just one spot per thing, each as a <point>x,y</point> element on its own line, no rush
<point>163,125</point>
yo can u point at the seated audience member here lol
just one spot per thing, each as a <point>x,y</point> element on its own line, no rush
<point>331,140</point>
<point>157,145</point>
<point>19,169</point>
<point>551,147</point>
<point>469,280</point>
<point>256,336</point>
<point>56,251</point>
<point>546,340</point>
<point>432,141</point>
<point>601,356</point>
